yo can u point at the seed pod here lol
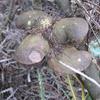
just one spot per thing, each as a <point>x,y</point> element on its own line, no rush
<point>32,50</point>
<point>34,18</point>
<point>74,29</point>
<point>80,60</point>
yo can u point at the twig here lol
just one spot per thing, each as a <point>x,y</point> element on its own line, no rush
<point>12,3</point>
<point>5,60</point>
<point>88,1</point>
<point>91,7</point>
<point>80,4</point>
<point>94,33</point>
<point>28,77</point>
<point>12,92</point>
<point>80,73</point>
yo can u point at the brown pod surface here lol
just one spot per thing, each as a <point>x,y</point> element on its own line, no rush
<point>32,50</point>
<point>74,28</point>
<point>79,60</point>
<point>34,18</point>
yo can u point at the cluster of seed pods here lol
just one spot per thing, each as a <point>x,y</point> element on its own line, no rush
<point>34,47</point>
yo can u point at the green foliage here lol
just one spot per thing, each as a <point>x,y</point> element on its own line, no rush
<point>42,90</point>
<point>88,97</point>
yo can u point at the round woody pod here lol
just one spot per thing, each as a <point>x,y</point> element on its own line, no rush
<point>35,18</point>
<point>32,50</point>
<point>79,60</point>
<point>74,29</point>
